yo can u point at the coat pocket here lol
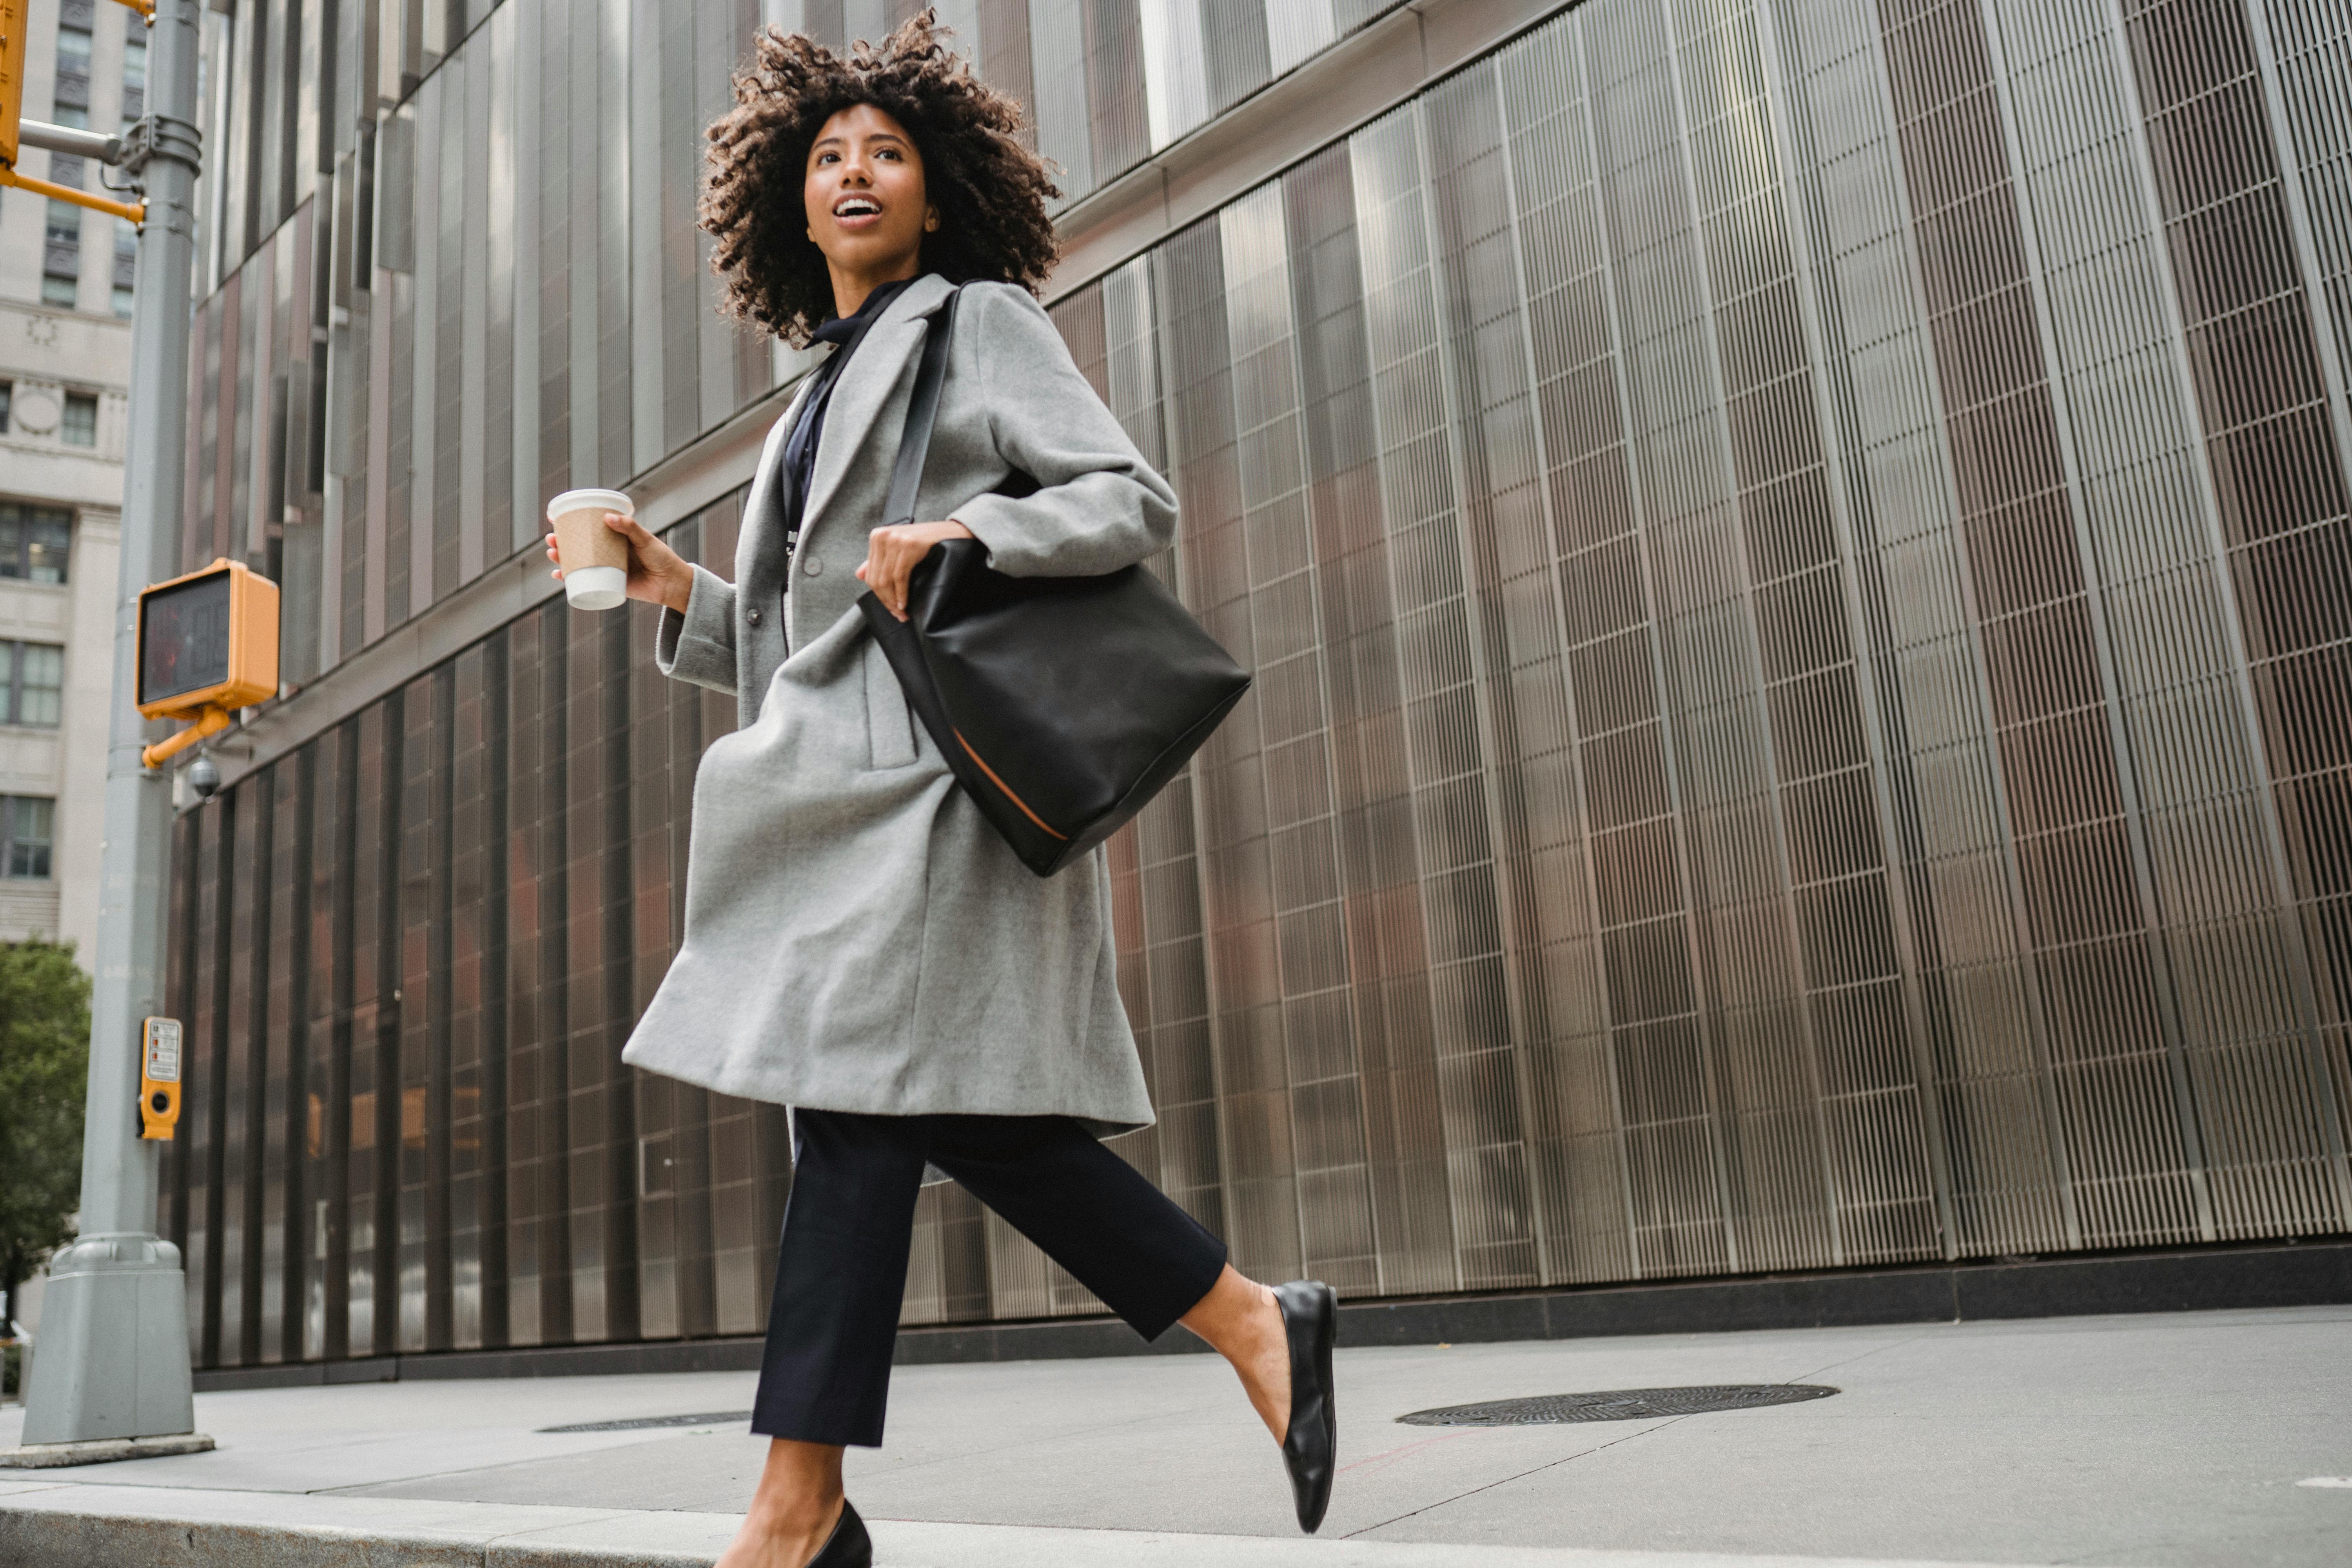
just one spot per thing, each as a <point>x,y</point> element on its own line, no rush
<point>889,723</point>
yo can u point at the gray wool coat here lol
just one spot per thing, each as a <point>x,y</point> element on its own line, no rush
<point>858,937</point>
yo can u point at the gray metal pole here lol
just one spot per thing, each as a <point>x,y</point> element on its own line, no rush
<point>114,1318</point>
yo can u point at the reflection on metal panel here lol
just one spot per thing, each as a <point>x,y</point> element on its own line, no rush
<point>1793,556</point>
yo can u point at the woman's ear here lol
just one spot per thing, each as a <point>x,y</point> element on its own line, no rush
<point>930,220</point>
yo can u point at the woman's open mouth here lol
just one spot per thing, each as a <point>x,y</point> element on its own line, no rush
<point>857,212</point>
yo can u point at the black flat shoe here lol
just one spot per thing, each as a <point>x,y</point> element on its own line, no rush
<point>1309,1313</point>
<point>848,1546</point>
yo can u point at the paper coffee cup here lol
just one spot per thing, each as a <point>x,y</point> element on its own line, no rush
<point>594,559</point>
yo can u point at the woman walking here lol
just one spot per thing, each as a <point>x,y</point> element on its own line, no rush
<point>860,944</point>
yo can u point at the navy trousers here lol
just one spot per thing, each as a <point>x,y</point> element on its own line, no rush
<point>842,1268</point>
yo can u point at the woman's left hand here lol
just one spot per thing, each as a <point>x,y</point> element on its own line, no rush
<point>891,554</point>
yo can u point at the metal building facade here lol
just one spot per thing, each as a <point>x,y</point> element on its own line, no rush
<point>1797,556</point>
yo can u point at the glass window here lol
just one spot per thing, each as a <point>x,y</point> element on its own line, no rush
<point>26,822</point>
<point>73,68</point>
<point>126,264</point>
<point>80,427</point>
<point>134,72</point>
<point>7,388</point>
<point>35,694</point>
<point>34,542</point>
<point>60,253</point>
<point>49,536</point>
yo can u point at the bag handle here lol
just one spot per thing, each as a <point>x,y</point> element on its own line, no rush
<point>922,411</point>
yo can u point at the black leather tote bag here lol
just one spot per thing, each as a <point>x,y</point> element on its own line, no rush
<point>1062,704</point>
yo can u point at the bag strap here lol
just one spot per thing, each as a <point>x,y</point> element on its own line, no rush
<point>922,410</point>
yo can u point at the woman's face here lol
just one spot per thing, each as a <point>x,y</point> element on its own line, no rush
<point>865,196</point>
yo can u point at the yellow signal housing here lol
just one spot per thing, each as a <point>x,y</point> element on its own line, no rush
<point>15,21</point>
<point>208,647</point>
<point>158,1078</point>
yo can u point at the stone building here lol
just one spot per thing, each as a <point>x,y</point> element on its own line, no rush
<point>65,360</point>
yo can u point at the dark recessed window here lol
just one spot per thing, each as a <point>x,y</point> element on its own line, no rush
<point>80,426</point>
<point>36,690</point>
<point>134,69</point>
<point>8,391</point>
<point>34,542</point>
<point>27,822</point>
<point>72,86</point>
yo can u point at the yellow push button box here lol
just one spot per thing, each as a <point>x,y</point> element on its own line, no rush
<point>158,1078</point>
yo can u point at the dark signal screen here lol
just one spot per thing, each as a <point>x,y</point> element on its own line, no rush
<point>183,637</point>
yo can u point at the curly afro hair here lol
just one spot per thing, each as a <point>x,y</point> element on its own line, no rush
<point>991,191</point>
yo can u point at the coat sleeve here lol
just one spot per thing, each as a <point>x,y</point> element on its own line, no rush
<point>699,645</point>
<point>1098,505</point>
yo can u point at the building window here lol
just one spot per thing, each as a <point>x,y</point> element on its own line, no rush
<point>61,255</point>
<point>73,68</point>
<point>134,69</point>
<point>34,542</point>
<point>80,426</point>
<point>35,691</point>
<point>126,263</point>
<point>27,824</point>
<point>7,391</point>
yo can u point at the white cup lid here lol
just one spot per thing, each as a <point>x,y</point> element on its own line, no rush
<point>573,500</point>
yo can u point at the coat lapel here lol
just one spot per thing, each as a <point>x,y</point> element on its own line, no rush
<point>864,386</point>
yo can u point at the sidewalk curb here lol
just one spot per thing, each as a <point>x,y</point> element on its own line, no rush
<point>70,1525</point>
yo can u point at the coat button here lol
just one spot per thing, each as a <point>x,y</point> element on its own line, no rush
<point>753,618</point>
<point>815,568</point>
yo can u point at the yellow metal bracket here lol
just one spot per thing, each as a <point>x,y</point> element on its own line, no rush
<point>135,211</point>
<point>211,721</point>
<point>144,7</point>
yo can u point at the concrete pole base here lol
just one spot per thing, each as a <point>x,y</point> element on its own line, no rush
<point>104,1450</point>
<point>114,1362</point>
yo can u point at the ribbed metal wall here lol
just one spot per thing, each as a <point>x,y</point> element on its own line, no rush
<point>1796,556</point>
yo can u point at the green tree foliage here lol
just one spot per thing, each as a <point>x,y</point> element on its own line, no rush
<point>44,1068</point>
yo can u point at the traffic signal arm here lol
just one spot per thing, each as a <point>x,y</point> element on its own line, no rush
<point>15,22</point>
<point>211,721</point>
<point>135,211</point>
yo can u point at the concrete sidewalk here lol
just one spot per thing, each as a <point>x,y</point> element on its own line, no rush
<point>2195,1439</point>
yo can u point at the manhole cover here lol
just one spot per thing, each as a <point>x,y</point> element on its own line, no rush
<point>645,1423</point>
<point>1618,1405</point>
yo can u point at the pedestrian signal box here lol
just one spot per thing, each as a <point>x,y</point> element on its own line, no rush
<point>159,1079</point>
<point>15,22</point>
<point>208,647</point>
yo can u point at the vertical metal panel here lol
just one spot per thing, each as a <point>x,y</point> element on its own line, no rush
<point>1058,37</point>
<point>277,948</point>
<point>1419,491</point>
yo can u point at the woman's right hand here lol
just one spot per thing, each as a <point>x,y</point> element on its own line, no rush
<point>657,574</point>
